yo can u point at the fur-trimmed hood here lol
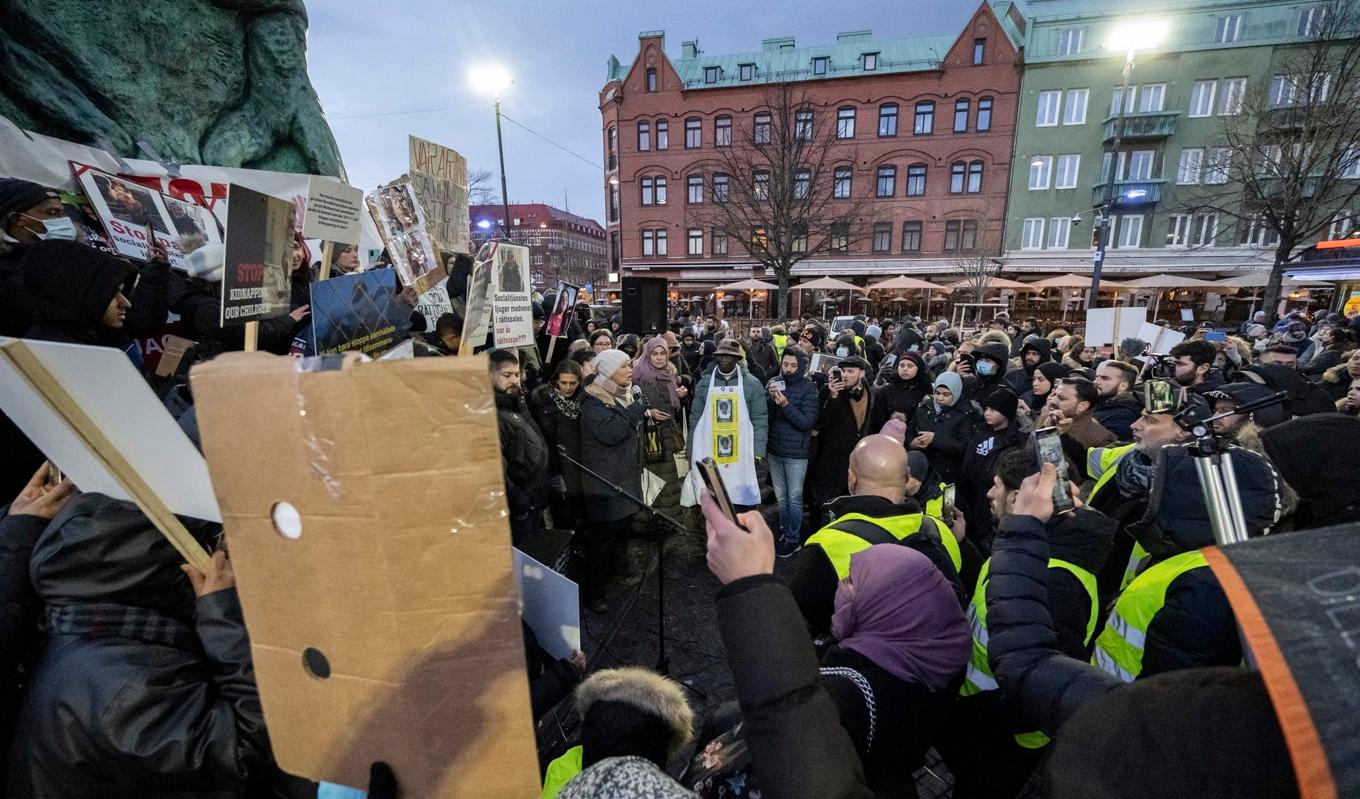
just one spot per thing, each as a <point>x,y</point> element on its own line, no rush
<point>643,690</point>
<point>994,336</point>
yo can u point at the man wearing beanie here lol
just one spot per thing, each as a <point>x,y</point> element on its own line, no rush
<point>25,210</point>
<point>997,433</point>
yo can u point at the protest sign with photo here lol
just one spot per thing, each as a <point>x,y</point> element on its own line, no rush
<point>477,306</point>
<point>260,236</point>
<point>512,310</point>
<point>89,230</point>
<point>401,220</point>
<point>359,312</point>
<point>127,210</point>
<point>439,176</point>
<point>559,321</point>
<point>194,224</point>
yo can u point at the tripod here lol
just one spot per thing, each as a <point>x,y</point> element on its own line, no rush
<point>662,662</point>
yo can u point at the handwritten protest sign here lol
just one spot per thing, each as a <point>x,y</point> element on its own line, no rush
<point>512,310</point>
<point>439,176</point>
<point>259,246</point>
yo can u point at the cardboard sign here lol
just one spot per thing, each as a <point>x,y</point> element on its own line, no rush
<point>1159,339</point>
<point>333,212</point>
<point>259,247</point>
<point>550,604</point>
<point>389,569</point>
<point>559,321</point>
<point>127,211</point>
<point>1109,326</point>
<point>358,312</point>
<point>401,219</point>
<point>512,309</point>
<point>439,177</point>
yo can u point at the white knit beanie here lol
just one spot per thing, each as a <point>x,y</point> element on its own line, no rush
<point>608,362</point>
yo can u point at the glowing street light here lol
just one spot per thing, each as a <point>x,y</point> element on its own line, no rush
<point>495,79</point>
<point>1136,34</point>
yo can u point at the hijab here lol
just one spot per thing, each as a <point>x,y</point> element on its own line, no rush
<point>644,374</point>
<point>897,609</point>
<point>951,381</point>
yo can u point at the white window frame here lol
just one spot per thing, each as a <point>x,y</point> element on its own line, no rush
<point>821,65</point>
<point>1067,168</point>
<point>1230,98</point>
<point>1177,231</point>
<point>1261,235</point>
<point>1201,225</point>
<point>746,71</point>
<point>845,125</point>
<point>1350,162</point>
<point>1074,112</point>
<point>1191,166</point>
<point>1059,232</point>
<point>1149,93</point>
<point>662,248</point>
<point>1283,91</point>
<point>1040,167</point>
<point>870,62</point>
<point>1130,223</point>
<point>648,243</point>
<point>1310,19</point>
<point>1129,100</point>
<point>1217,160</point>
<point>1139,157</point>
<point>691,237</point>
<point>1342,224</point>
<point>1228,28</point>
<point>1071,41</point>
<point>1032,233</point>
<point>1050,102</point>
<point>878,230</point>
<point>1202,95</point>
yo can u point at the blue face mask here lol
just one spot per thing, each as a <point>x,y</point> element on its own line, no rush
<point>58,229</point>
<point>984,368</point>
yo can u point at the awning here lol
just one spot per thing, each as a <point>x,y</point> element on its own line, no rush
<point>1169,282</point>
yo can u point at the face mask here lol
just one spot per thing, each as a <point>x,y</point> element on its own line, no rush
<point>58,229</point>
<point>842,352</point>
<point>984,368</point>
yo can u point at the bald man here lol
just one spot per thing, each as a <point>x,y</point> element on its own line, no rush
<point>877,511</point>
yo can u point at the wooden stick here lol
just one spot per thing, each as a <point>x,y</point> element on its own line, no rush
<point>327,250</point>
<point>98,445</point>
<point>252,337</point>
<point>552,342</point>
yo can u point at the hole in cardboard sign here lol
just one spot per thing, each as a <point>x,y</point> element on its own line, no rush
<point>316,663</point>
<point>287,520</point>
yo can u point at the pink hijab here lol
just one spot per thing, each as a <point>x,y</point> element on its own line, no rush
<point>898,610</point>
<point>645,374</point>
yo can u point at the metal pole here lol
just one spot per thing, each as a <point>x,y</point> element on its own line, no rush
<point>505,193</point>
<point>1098,265</point>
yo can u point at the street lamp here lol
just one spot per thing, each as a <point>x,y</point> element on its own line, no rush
<point>494,79</point>
<point>1129,36</point>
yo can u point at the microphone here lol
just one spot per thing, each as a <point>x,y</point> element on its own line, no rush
<point>637,395</point>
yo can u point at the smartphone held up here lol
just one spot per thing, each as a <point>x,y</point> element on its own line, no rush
<point>1048,449</point>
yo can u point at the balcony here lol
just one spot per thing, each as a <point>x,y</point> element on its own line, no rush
<point>1143,127</point>
<point>1130,193</point>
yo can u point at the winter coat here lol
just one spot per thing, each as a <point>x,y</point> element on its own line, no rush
<point>16,309</point>
<point>1019,379</point>
<point>672,436</point>
<point>692,355</point>
<point>763,358</point>
<point>1117,414</point>
<point>70,287</point>
<point>899,396</point>
<point>952,427</point>
<point>611,446</point>
<point>791,426</point>
<point>559,430</point>
<point>836,435</point>
<point>976,387</point>
<point>752,389</point>
<point>980,455</point>
<point>141,688</point>
<point>524,456</point>
<point>791,724</point>
<point>19,607</point>
<point>1323,361</point>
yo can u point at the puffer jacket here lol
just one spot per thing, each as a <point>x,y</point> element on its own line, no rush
<point>141,689</point>
<point>524,456</point>
<point>791,426</point>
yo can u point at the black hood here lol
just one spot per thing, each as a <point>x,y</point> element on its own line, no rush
<point>1040,345</point>
<point>1083,538</point>
<point>100,549</point>
<point>71,284</point>
<point>1308,451</point>
<point>995,351</point>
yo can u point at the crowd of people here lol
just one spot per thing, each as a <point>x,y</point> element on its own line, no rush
<point>897,578</point>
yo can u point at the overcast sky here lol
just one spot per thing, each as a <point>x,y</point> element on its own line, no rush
<point>384,70</point>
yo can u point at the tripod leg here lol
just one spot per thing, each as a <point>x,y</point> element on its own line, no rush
<point>662,664</point>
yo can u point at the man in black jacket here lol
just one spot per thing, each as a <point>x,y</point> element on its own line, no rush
<point>1033,351</point>
<point>843,419</point>
<point>523,450</point>
<point>1117,409</point>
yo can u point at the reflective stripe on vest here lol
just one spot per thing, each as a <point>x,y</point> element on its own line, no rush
<point>1119,649</point>
<point>560,772</point>
<point>839,544</point>
<point>1102,463</point>
<point>978,678</point>
<point>1136,558</point>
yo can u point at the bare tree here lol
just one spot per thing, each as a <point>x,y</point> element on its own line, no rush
<point>1288,162</point>
<point>482,188</point>
<point>783,188</point>
<point>979,263</point>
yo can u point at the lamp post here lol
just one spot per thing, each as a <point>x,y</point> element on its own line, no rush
<point>1130,37</point>
<point>493,79</point>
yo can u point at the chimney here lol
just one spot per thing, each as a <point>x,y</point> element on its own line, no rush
<point>776,44</point>
<point>690,49</point>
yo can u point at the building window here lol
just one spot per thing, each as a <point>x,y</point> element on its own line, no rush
<point>661,242</point>
<point>648,243</point>
<point>1047,115</point>
<point>760,131</point>
<point>1227,29</point>
<point>911,236</point>
<point>694,189</point>
<point>951,235</point>
<point>1075,113</point>
<point>1153,99</point>
<point>613,202</point>
<point>1032,234</point>
<point>1071,40</point>
<point>961,108</point>
<point>1130,232</point>
<point>760,185</point>
<point>960,235</point>
<point>984,120</point>
<point>613,148</point>
<point>798,237</point>
<point>840,237</point>
<point>916,180</point>
<point>694,133</point>
<point>695,241</point>
<point>802,125</point>
<point>802,184</point>
<point>974,177</point>
<point>648,191</point>
<point>1260,234</point>
<point>870,62</point>
<point>887,181</point>
<point>1040,168</point>
<point>1177,230</point>
<point>819,65</point>
<point>1281,91</point>
<point>840,187</point>
<point>1204,230</point>
<point>1216,165</point>
<point>882,241</point>
<point>1059,231</point>
<point>663,134</point>
<point>719,242</point>
<point>925,119</point>
<point>1118,96</point>
<point>1230,99</point>
<point>1192,159</point>
<point>957,172</point>
<point>1065,175</point>
<point>1202,98</point>
<point>1311,20</point>
<point>644,136</point>
<point>979,51</point>
<point>711,74</point>
<point>651,80</point>
<point>722,131</point>
<point>845,122</point>
<point>887,120</point>
<point>1140,165</point>
<point>720,187</point>
<point>747,71</point>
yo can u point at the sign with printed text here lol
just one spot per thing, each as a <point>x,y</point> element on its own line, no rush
<point>131,214</point>
<point>259,244</point>
<point>512,309</point>
<point>360,312</point>
<point>333,212</point>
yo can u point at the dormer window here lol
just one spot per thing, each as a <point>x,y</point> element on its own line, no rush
<point>870,62</point>
<point>748,71</point>
<point>819,65</point>
<point>711,74</point>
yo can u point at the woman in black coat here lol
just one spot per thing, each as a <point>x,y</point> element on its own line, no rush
<point>1042,383</point>
<point>556,407</point>
<point>943,426</point>
<point>907,384</point>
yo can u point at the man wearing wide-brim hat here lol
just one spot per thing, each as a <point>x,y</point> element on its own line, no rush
<point>729,422</point>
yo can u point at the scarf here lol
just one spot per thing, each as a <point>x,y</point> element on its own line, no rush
<point>569,407</point>
<point>610,393</point>
<point>1133,476</point>
<point>901,613</point>
<point>109,620</point>
<point>951,381</point>
<point>644,374</point>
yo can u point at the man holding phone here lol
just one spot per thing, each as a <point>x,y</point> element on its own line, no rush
<point>793,405</point>
<point>844,418</point>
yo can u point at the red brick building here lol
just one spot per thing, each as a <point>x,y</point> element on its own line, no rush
<point>562,245</point>
<point>929,121</point>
